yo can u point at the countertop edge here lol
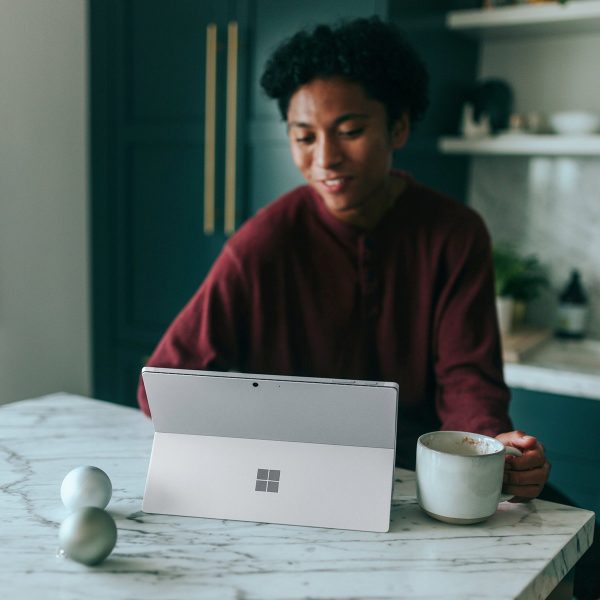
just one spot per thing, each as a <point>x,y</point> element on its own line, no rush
<point>555,381</point>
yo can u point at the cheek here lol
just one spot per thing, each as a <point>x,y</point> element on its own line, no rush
<point>300,157</point>
<point>379,156</point>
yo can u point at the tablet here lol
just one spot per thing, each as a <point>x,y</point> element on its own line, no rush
<point>274,449</point>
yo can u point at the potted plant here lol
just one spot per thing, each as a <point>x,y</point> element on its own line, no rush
<point>519,279</point>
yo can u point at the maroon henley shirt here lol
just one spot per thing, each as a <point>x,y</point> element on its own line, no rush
<point>297,292</point>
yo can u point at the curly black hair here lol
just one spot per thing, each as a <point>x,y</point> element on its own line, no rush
<point>365,51</point>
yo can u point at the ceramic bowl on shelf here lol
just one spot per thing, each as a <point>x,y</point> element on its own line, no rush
<point>575,122</point>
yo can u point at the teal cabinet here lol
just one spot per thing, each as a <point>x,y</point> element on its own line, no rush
<point>569,429</point>
<point>163,75</point>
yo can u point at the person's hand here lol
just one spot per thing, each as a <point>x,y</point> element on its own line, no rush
<point>526,475</point>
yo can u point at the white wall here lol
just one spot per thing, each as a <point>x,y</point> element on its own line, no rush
<point>44,266</point>
<point>547,73</point>
<point>549,206</point>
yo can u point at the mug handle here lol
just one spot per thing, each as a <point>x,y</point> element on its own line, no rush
<point>513,452</point>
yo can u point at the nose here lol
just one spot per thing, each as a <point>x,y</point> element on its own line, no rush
<point>327,152</point>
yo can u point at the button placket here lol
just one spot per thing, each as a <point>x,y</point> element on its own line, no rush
<point>368,277</point>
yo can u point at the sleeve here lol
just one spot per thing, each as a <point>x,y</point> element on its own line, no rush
<point>207,333</point>
<point>471,393</point>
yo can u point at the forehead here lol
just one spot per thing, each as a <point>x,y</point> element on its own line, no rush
<point>324,100</point>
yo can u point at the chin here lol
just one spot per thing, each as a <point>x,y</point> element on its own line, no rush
<point>343,204</point>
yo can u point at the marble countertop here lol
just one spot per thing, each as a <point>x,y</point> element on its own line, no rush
<point>570,368</point>
<point>521,552</point>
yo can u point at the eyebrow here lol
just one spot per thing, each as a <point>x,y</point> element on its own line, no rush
<point>338,121</point>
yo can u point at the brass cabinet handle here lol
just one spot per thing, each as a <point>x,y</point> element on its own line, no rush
<point>231,126</point>
<point>210,114</point>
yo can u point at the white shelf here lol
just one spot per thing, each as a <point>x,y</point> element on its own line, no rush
<point>524,145</point>
<point>508,21</point>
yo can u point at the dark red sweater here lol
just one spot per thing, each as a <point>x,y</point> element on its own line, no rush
<point>297,292</point>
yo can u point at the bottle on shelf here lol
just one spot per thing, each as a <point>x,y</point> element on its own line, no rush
<point>572,309</point>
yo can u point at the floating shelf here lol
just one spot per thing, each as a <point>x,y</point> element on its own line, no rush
<point>581,16</point>
<point>523,144</point>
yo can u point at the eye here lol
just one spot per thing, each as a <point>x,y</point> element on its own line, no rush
<point>305,139</point>
<point>351,133</point>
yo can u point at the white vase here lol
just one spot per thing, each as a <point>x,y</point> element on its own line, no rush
<point>505,310</point>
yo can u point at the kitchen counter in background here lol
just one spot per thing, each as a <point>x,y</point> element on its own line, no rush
<point>570,368</point>
<point>555,396</point>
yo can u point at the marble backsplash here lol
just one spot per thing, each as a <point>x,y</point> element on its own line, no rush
<point>550,207</point>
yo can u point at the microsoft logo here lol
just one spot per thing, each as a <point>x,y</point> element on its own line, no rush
<point>267,480</point>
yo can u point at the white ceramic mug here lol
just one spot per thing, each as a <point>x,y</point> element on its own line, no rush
<point>459,475</point>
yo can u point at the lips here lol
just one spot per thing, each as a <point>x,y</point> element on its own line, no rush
<point>335,185</point>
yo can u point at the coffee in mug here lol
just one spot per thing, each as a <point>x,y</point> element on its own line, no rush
<point>459,475</point>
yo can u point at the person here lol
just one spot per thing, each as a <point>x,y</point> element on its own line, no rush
<point>363,273</point>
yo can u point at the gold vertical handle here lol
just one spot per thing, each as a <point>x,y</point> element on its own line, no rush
<point>210,114</point>
<point>231,126</point>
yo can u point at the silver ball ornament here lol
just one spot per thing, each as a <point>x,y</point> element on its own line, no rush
<point>86,486</point>
<point>88,535</point>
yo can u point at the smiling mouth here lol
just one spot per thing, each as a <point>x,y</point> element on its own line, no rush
<point>335,184</point>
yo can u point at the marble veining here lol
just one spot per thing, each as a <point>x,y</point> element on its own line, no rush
<point>522,552</point>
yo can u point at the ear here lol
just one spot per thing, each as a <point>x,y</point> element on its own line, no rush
<point>400,131</point>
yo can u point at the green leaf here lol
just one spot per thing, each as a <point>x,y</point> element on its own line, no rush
<point>521,277</point>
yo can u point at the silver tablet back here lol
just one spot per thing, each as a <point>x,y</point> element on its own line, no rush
<point>291,450</point>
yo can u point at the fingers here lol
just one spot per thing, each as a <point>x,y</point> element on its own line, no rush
<point>537,476</point>
<point>525,475</point>
<point>518,439</point>
<point>525,484</point>
<point>530,459</point>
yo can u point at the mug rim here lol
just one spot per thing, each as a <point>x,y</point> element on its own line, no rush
<point>468,433</point>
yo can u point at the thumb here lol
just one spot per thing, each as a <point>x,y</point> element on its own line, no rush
<point>517,439</point>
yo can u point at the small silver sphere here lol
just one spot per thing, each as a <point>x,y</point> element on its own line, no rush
<point>88,535</point>
<point>86,486</point>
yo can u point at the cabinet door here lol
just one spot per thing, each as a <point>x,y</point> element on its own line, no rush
<point>568,428</point>
<point>159,86</point>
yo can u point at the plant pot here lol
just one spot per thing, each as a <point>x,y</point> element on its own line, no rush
<point>519,310</point>
<point>505,310</point>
